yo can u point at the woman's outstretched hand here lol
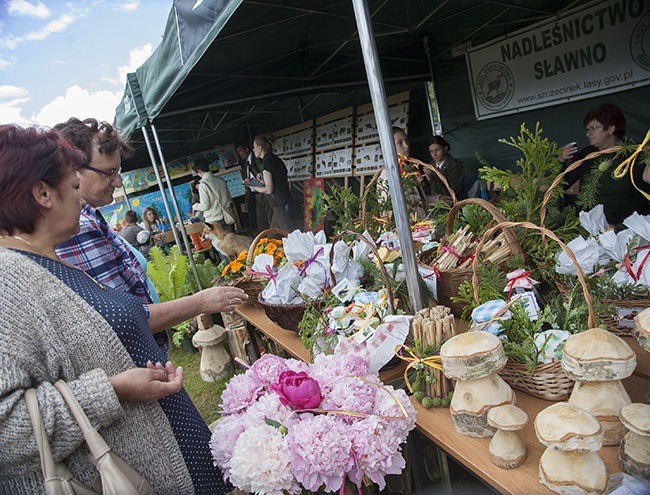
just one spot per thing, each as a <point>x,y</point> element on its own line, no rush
<point>148,384</point>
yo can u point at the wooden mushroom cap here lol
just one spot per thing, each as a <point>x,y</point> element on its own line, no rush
<point>636,418</point>
<point>209,336</point>
<point>563,426</point>
<point>507,417</point>
<point>642,329</point>
<point>597,355</point>
<point>472,355</point>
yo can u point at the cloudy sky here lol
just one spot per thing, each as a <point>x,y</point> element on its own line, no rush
<point>60,59</point>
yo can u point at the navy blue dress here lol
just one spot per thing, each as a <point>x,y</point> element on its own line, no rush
<point>130,321</point>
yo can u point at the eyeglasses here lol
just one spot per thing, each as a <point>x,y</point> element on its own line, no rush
<point>111,174</point>
<point>593,128</point>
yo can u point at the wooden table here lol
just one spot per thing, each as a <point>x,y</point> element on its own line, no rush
<point>437,426</point>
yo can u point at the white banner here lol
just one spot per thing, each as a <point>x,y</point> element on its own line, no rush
<point>599,48</point>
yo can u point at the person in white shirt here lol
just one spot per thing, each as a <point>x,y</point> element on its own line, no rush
<point>215,200</point>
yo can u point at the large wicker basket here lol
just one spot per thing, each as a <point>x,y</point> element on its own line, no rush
<point>547,381</point>
<point>286,316</point>
<point>250,283</point>
<point>451,279</point>
<point>608,320</point>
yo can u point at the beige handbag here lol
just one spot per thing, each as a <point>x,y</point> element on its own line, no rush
<point>228,214</point>
<point>116,477</point>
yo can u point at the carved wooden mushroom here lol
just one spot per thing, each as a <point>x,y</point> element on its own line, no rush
<point>473,358</point>
<point>598,360</point>
<point>642,329</point>
<point>507,448</point>
<point>215,360</point>
<point>570,465</point>
<point>634,452</point>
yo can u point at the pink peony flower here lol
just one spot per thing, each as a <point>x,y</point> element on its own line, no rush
<point>241,392</point>
<point>298,390</point>
<point>268,368</point>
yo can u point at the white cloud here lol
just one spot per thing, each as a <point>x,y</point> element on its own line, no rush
<point>11,100</point>
<point>25,8</point>
<point>10,91</point>
<point>128,6</point>
<point>81,103</point>
<point>5,64</point>
<point>56,26</point>
<point>137,56</point>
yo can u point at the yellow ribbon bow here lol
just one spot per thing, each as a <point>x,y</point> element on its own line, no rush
<point>412,359</point>
<point>628,166</point>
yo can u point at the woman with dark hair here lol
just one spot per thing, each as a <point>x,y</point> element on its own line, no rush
<point>448,166</point>
<point>59,323</point>
<point>605,127</point>
<point>276,184</point>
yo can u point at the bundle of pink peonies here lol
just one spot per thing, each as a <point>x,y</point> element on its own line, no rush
<point>288,426</point>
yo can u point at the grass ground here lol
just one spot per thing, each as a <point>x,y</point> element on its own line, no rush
<point>205,395</point>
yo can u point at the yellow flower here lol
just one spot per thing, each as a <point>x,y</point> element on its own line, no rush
<point>271,248</point>
<point>242,256</point>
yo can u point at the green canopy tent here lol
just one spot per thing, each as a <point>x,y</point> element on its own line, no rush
<point>252,65</point>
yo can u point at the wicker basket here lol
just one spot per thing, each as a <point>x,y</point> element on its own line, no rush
<point>252,284</point>
<point>378,173</point>
<point>547,381</point>
<point>451,279</point>
<point>286,316</point>
<point>610,321</point>
<point>389,289</point>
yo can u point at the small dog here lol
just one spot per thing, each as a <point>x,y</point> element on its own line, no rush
<point>227,243</point>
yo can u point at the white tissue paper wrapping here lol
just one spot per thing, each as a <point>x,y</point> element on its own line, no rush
<point>594,221</point>
<point>377,346</point>
<point>262,264</point>
<point>587,252</point>
<point>282,289</point>
<point>299,245</point>
<point>616,244</point>
<point>344,267</point>
<point>640,269</point>
<point>640,225</point>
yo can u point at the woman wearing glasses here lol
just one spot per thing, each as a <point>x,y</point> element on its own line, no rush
<point>605,127</point>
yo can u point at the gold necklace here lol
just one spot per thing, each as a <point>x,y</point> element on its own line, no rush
<point>38,251</point>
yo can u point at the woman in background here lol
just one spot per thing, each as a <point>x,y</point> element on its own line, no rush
<point>448,166</point>
<point>276,184</point>
<point>605,127</point>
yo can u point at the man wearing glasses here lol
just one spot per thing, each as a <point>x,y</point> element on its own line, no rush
<point>99,251</point>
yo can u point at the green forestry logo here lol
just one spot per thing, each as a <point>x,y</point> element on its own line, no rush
<point>495,86</point>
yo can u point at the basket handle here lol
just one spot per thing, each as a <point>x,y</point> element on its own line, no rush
<point>261,235</point>
<point>543,231</point>
<point>513,242</point>
<point>372,247</point>
<point>560,178</point>
<point>378,173</point>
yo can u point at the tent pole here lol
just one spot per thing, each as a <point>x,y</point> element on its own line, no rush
<point>181,226</point>
<point>377,91</point>
<point>152,157</point>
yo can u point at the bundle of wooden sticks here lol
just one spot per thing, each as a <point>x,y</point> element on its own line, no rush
<point>432,327</point>
<point>459,250</point>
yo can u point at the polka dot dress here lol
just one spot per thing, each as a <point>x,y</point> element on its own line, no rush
<point>129,319</point>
